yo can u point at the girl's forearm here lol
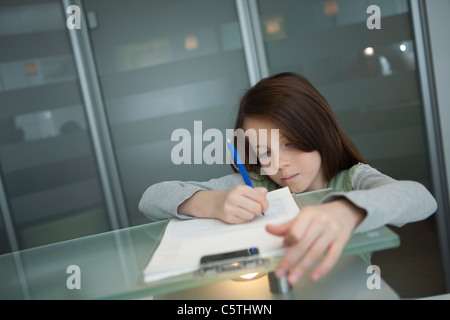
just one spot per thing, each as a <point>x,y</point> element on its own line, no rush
<point>201,204</point>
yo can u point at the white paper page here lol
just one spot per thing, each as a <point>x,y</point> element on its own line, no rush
<point>186,241</point>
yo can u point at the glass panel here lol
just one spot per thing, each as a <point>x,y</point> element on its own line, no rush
<point>369,77</point>
<point>163,65</point>
<point>46,157</point>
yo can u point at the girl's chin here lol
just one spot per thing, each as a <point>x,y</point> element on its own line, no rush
<point>295,189</point>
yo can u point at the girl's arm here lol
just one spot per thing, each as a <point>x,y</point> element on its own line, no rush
<point>386,200</point>
<point>161,200</point>
<point>227,199</point>
<point>239,204</point>
<point>325,229</point>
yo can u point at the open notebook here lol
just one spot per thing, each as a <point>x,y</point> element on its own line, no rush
<point>186,241</point>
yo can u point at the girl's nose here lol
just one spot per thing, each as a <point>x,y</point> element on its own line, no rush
<point>281,161</point>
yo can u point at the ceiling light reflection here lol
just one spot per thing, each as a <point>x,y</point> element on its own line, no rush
<point>369,51</point>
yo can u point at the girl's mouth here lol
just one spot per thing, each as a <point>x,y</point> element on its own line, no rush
<point>290,178</point>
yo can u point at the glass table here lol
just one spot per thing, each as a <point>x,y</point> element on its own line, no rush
<point>110,266</point>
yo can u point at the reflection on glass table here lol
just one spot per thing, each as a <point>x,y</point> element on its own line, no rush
<point>109,266</point>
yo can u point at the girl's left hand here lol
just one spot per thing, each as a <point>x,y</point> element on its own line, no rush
<point>320,229</point>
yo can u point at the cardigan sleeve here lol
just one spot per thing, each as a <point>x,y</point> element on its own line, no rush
<point>161,200</point>
<point>386,200</point>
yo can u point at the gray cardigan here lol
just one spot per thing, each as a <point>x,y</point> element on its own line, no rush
<point>387,201</point>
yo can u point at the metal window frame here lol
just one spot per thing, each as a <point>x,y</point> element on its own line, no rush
<point>9,226</point>
<point>252,40</point>
<point>433,130</point>
<point>97,120</point>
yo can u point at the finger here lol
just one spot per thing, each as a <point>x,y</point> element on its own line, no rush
<point>235,220</point>
<point>236,215</point>
<point>250,205</point>
<point>313,253</point>
<point>261,190</point>
<point>258,195</point>
<point>241,197</point>
<point>298,249</point>
<point>247,198</point>
<point>279,230</point>
<point>329,261</point>
<point>243,214</point>
<point>238,220</point>
<point>298,229</point>
<point>262,198</point>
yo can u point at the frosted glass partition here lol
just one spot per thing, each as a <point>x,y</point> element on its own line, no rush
<point>46,160</point>
<point>369,76</point>
<point>161,67</point>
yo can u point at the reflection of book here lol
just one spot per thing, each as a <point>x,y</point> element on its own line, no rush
<point>374,240</point>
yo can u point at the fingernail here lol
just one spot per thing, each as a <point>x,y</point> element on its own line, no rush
<point>315,276</point>
<point>279,273</point>
<point>294,277</point>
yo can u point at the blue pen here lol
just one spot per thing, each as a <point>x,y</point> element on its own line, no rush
<point>239,164</point>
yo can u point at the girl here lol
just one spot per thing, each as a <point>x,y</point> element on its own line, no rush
<point>312,154</point>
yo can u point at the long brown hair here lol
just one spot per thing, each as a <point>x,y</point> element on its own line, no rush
<point>303,116</point>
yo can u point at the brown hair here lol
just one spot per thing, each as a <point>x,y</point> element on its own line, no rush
<point>303,116</point>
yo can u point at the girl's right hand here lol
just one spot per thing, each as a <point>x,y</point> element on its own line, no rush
<point>240,204</point>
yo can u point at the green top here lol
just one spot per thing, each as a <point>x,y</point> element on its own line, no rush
<point>342,181</point>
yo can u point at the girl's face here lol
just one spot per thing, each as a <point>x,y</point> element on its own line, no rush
<point>290,167</point>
